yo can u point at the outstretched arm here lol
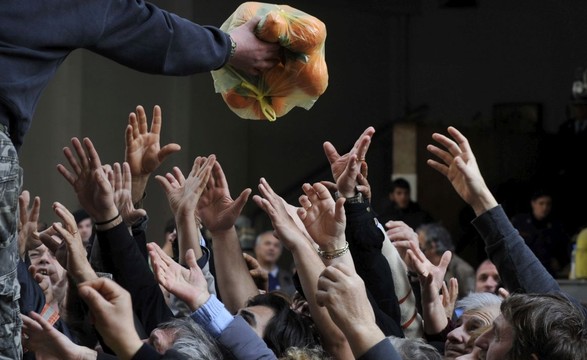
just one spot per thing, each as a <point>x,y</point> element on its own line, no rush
<point>183,196</point>
<point>219,212</point>
<point>458,164</point>
<point>519,268</point>
<point>343,293</point>
<point>326,222</point>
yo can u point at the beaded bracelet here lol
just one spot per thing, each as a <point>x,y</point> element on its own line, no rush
<point>329,255</point>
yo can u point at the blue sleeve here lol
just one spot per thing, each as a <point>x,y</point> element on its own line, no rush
<point>237,337</point>
<point>213,316</point>
<point>146,38</point>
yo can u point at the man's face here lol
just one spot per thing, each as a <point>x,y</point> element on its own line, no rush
<point>268,249</point>
<point>85,230</point>
<point>497,341</point>
<point>541,207</point>
<point>457,340</point>
<point>46,263</point>
<point>401,197</point>
<point>487,279</point>
<point>257,317</point>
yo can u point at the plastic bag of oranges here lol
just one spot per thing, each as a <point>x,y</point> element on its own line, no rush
<point>298,80</point>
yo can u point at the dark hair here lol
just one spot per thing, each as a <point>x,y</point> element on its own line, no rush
<point>399,183</point>
<point>169,226</point>
<point>551,326</point>
<point>287,328</point>
<point>437,234</point>
<point>79,215</point>
<point>540,192</point>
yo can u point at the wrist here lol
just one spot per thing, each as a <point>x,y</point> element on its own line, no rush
<point>109,223</point>
<point>355,198</point>
<point>232,47</point>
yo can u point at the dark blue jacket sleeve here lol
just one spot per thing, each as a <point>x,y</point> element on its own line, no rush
<point>382,350</point>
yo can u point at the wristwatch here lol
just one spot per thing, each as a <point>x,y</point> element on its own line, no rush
<point>356,199</point>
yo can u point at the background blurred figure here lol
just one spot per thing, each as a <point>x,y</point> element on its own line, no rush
<point>486,278</point>
<point>434,241</point>
<point>544,235</point>
<point>268,250</point>
<point>85,226</point>
<point>170,245</point>
<point>400,207</point>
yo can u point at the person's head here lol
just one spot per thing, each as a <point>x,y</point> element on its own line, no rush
<point>85,225</point>
<point>267,249</point>
<point>186,337</point>
<point>45,263</point>
<point>486,277</point>
<point>271,317</point>
<point>478,310</point>
<point>536,326</point>
<point>474,352</point>
<point>541,203</point>
<point>170,237</point>
<point>415,348</point>
<point>434,240</point>
<point>400,192</point>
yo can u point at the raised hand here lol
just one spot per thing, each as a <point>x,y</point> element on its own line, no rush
<point>401,235</point>
<point>338,163</point>
<point>284,225</point>
<point>28,219</point>
<point>189,285</point>
<point>342,291</point>
<point>458,164</point>
<point>111,308</point>
<point>48,343</point>
<point>144,153</point>
<point>216,207</point>
<point>259,275</point>
<point>324,218</point>
<point>89,180</point>
<point>183,194</point>
<point>120,180</point>
<point>450,294</point>
<point>69,249</point>
<point>431,281</point>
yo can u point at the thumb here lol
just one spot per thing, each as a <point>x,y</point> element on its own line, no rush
<point>92,297</point>
<point>190,259</point>
<point>445,260</point>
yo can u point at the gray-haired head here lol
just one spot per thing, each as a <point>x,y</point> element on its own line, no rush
<point>191,340</point>
<point>414,348</point>
<point>477,301</point>
<point>435,233</point>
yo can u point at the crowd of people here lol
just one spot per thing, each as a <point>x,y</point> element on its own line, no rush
<point>365,286</point>
<point>361,288</point>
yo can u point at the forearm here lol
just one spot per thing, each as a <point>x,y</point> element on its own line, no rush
<point>132,272</point>
<point>309,266</point>
<point>188,235</point>
<point>433,315</point>
<point>517,265</point>
<point>363,337</point>
<point>483,201</point>
<point>138,186</point>
<point>235,283</point>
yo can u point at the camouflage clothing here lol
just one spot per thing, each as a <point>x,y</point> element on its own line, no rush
<point>10,184</point>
